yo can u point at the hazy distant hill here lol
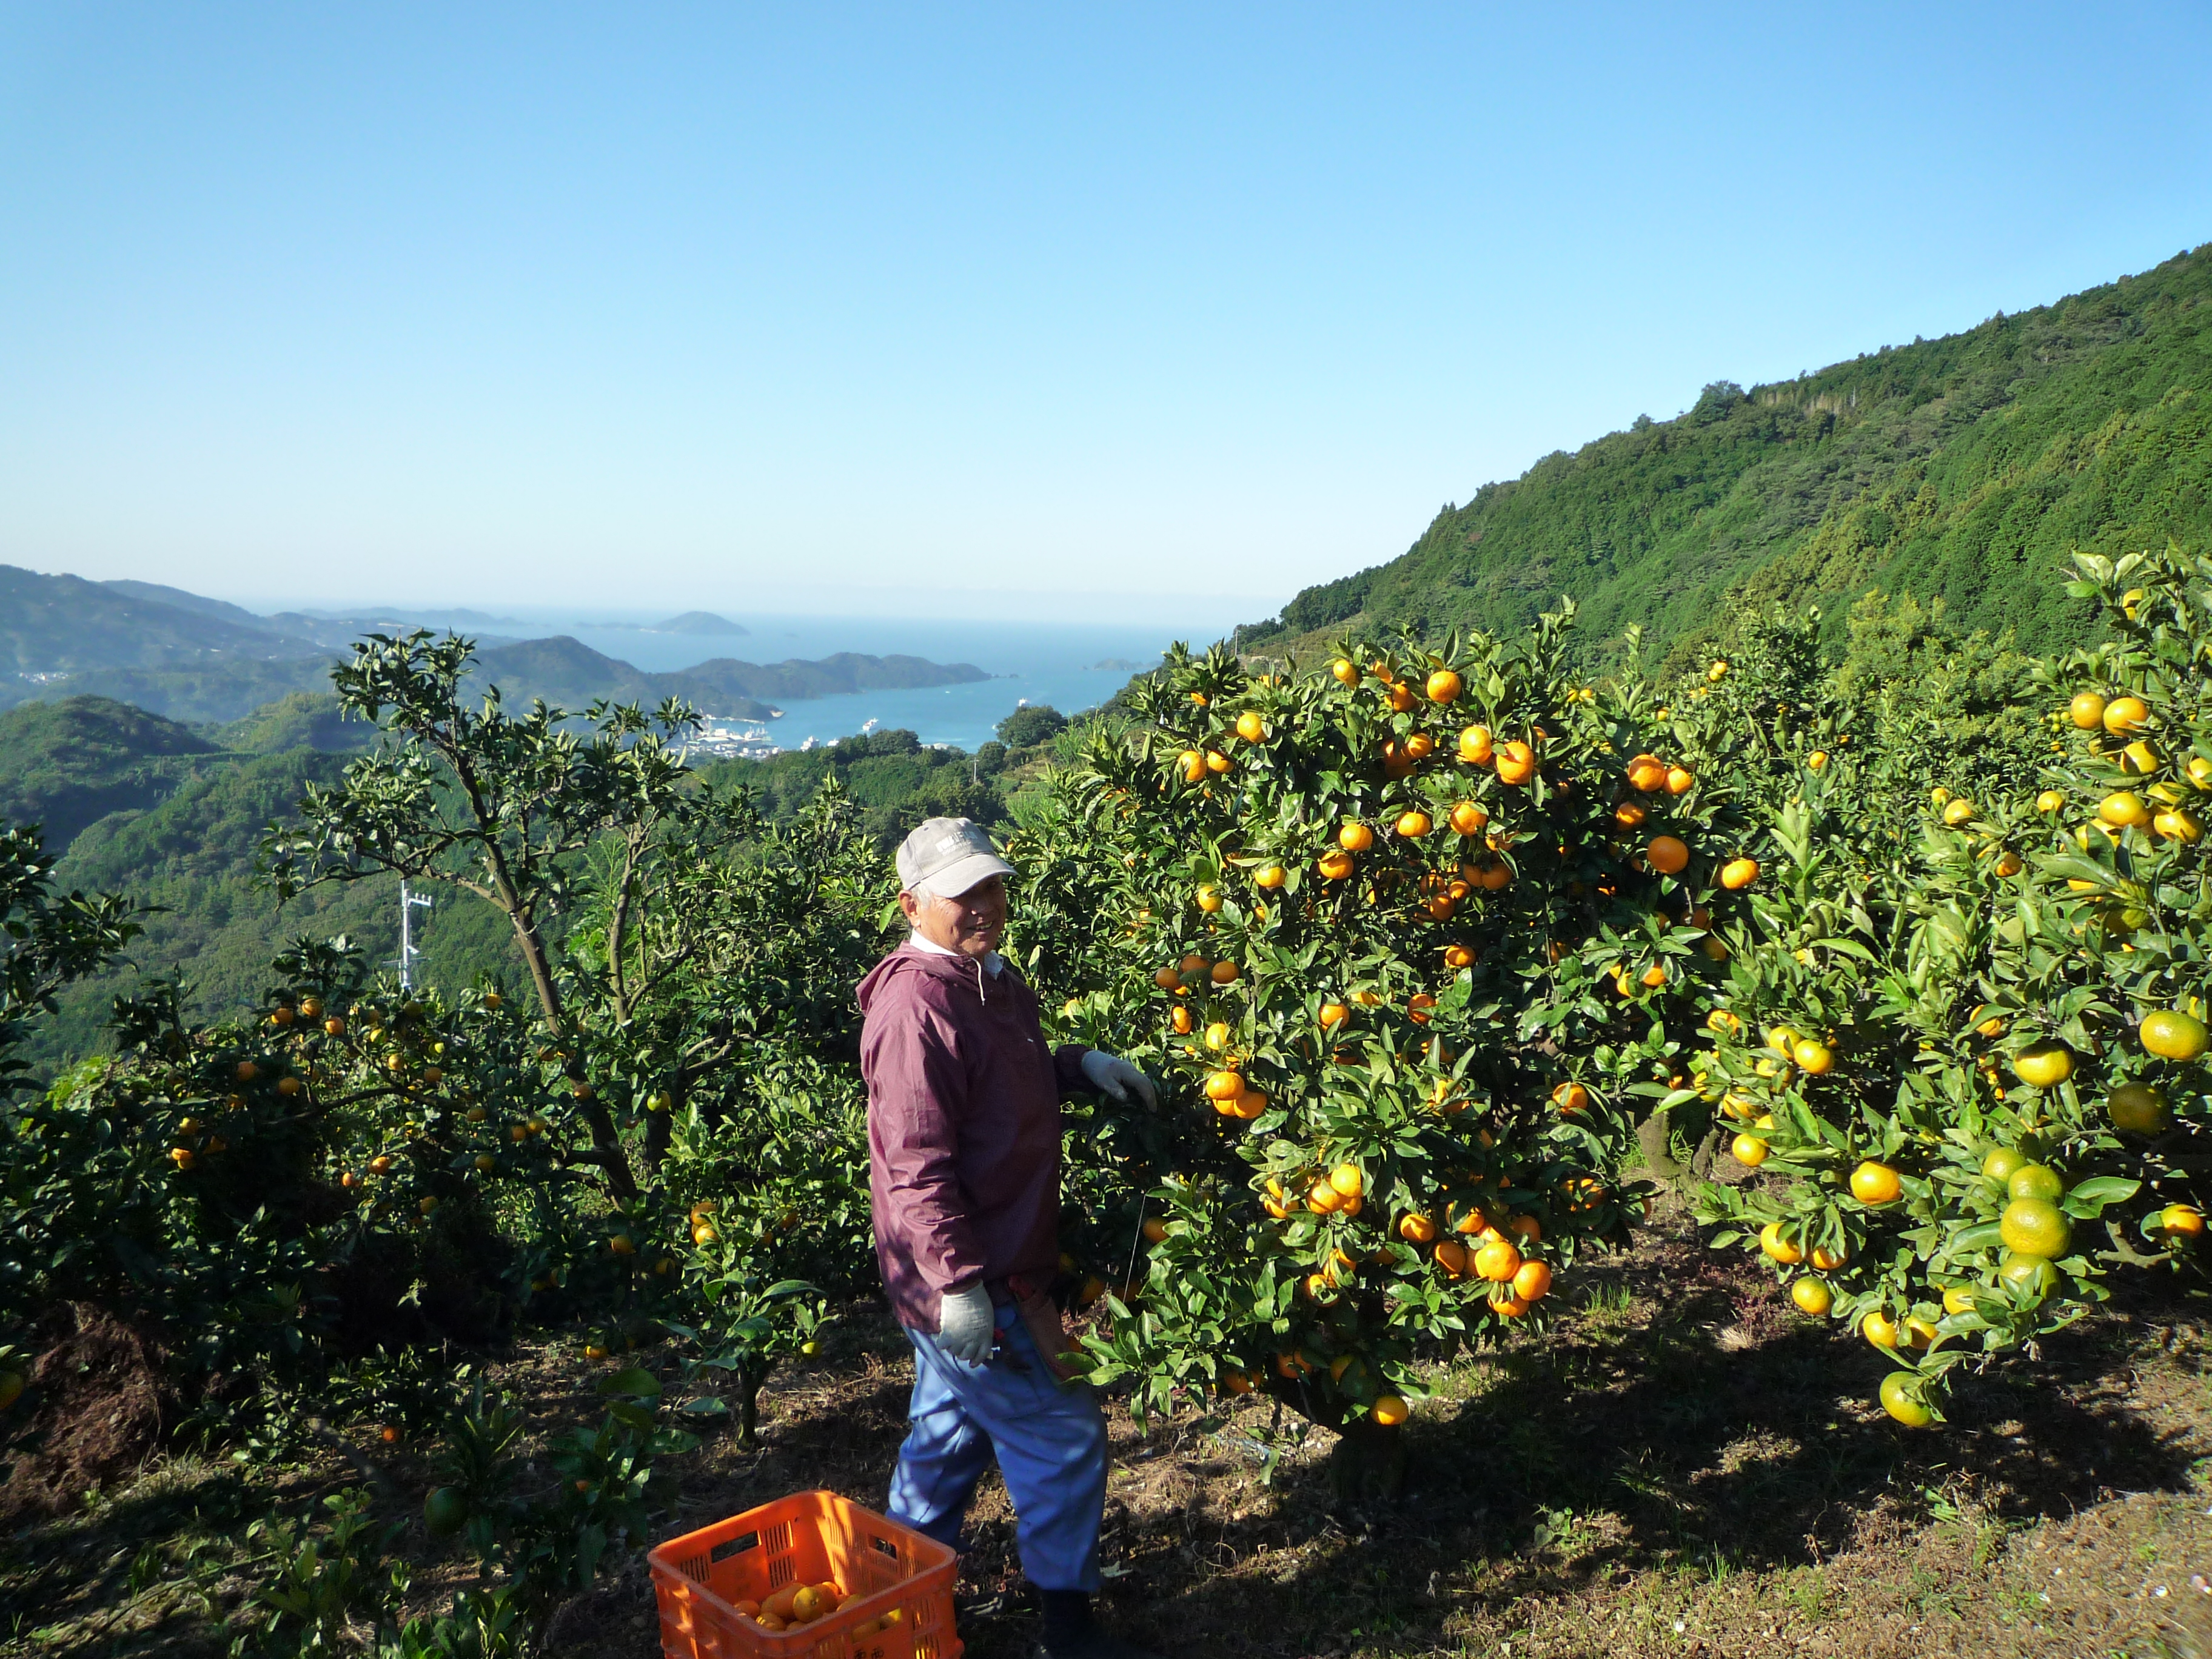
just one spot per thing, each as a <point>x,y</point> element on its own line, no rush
<point>192,659</point>
<point>1965,468</point>
<point>178,598</point>
<point>569,672</point>
<point>334,631</point>
<point>54,625</point>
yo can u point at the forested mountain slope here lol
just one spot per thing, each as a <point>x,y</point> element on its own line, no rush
<point>1964,469</point>
<point>63,765</point>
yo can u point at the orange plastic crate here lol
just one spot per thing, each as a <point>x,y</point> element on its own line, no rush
<point>806,1538</point>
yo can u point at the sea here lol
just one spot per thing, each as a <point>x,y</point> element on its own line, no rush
<point>1071,666</point>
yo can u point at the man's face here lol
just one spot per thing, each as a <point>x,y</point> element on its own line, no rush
<point>971,924</point>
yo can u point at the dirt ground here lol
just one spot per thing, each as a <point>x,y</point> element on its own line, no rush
<point>1685,1468</point>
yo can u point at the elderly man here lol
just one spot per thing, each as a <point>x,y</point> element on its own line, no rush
<point>963,1173</point>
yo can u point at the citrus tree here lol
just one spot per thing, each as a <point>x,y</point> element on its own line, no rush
<point>1418,937</point>
<point>1964,1057</point>
<point>47,940</point>
<point>499,806</point>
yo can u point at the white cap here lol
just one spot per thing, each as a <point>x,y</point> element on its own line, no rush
<point>948,856</point>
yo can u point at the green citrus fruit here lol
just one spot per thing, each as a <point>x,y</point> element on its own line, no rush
<point>2172,1035</point>
<point>2034,1227</point>
<point>2035,1181</point>
<point>2001,1162</point>
<point>2032,1274</point>
<point>1900,1398</point>
<point>444,1510</point>
<point>2139,1110</point>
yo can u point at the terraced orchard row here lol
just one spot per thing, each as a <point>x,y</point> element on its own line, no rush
<point>1430,938</point>
<point>1447,952</point>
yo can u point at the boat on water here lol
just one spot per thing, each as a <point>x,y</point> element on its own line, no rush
<point>732,739</point>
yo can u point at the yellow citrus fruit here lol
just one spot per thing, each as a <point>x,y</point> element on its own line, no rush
<point>1748,1150</point>
<point>1813,1296</point>
<point>1900,1398</point>
<point>1778,1247</point>
<point>2034,1227</point>
<point>2173,1035</point>
<point>2123,809</point>
<point>2035,1181</point>
<point>1389,1411</point>
<point>1874,1182</point>
<point>1739,873</point>
<point>2043,1065</point>
<point>2126,715</point>
<point>1878,1329</point>
<point>1668,854</point>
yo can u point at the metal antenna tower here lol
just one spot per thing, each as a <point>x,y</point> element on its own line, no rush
<point>407,949</point>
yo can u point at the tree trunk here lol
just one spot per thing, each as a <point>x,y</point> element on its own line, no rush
<point>605,1140</point>
<point>1654,1139</point>
<point>749,1387</point>
<point>1368,1464</point>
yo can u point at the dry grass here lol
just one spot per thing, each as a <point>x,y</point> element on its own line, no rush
<point>1684,1469</point>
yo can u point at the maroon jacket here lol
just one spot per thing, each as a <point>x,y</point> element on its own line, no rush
<point>964,1128</point>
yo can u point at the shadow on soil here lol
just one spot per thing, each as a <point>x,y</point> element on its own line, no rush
<point>1718,1434</point>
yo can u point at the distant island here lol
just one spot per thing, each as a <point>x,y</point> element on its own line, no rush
<point>1118,664</point>
<point>698,621</point>
<point>691,622</point>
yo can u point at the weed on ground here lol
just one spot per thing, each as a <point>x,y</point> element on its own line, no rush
<point>1683,1467</point>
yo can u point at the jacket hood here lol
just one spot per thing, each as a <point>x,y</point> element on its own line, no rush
<point>956,971</point>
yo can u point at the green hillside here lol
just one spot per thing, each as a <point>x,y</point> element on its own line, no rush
<point>65,765</point>
<point>304,720</point>
<point>192,853</point>
<point>1964,469</point>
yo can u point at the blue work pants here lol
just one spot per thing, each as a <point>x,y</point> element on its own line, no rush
<point>1049,1439</point>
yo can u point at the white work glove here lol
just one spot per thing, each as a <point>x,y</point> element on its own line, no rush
<point>1114,1077</point>
<point>964,1319</point>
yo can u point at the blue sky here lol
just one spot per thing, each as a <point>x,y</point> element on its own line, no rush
<point>1034,310</point>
